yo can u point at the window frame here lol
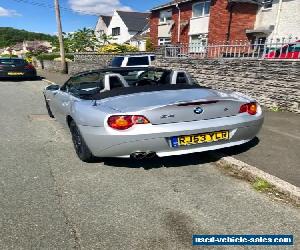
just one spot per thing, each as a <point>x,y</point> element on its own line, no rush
<point>203,9</point>
<point>116,33</point>
<point>164,42</point>
<point>161,16</point>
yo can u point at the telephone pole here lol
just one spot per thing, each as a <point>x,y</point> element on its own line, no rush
<point>60,37</point>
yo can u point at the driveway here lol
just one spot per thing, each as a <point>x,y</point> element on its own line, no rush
<point>51,200</point>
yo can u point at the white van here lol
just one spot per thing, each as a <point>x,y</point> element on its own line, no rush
<point>132,61</point>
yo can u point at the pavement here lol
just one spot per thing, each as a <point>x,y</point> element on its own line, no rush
<point>52,200</point>
<point>275,150</point>
<point>55,77</point>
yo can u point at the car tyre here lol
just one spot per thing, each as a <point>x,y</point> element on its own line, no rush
<point>81,149</point>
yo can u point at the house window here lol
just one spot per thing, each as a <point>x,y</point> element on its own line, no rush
<point>199,39</point>
<point>165,16</point>
<point>267,4</point>
<point>201,9</point>
<point>198,43</point>
<point>116,31</point>
<point>164,41</point>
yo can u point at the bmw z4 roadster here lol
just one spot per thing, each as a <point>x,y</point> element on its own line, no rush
<point>144,112</point>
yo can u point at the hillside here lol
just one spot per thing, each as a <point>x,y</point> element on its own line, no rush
<point>10,36</point>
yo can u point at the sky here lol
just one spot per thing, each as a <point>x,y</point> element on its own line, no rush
<point>39,16</point>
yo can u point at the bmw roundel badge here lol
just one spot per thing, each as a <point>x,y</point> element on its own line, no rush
<point>198,110</point>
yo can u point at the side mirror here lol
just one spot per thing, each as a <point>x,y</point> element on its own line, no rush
<point>53,87</point>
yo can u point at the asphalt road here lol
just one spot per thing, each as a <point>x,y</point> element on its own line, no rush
<point>276,150</point>
<point>51,200</point>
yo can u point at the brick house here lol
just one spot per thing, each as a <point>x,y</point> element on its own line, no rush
<point>202,21</point>
<point>277,19</point>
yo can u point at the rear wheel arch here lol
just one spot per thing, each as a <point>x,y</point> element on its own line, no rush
<point>81,148</point>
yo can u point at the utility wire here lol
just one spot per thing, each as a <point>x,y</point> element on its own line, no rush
<point>51,6</point>
<point>43,4</point>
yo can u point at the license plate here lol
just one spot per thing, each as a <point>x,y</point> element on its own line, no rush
<point>185,140</point>
<point>15,73</point>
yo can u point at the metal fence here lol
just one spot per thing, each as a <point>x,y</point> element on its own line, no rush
<point>262,49</point>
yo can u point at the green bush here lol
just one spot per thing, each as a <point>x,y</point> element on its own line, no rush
<point>51,57</point>
<point>117,48</point>
<point>8,55</point>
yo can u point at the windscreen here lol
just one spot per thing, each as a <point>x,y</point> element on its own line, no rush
<point>12,62</point>
<point>138,61</point>
<point>117,61</point>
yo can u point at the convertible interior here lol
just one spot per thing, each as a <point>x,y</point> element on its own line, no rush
<point>94,83</point>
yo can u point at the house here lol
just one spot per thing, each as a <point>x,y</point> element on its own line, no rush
<point>277,19</point>
<point>22,48</point>
<point>33,45</point>
<point>203,21</point>
<point>102,25</point>
<point>140,39</point>
<point>123,25</point>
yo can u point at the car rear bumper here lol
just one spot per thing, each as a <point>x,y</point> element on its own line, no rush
<point>26,74</point>
<point>105,142</point>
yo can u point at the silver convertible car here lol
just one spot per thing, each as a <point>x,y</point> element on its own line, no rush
<point>147,112</point>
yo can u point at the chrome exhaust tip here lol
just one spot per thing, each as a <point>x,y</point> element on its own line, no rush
<point>138,155</point>
<point>143,155</point>
<point>151,155</point>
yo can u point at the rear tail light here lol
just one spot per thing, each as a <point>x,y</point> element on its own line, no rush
<point>250,108</point>
<point>123,122</point>
<point>29,66</point>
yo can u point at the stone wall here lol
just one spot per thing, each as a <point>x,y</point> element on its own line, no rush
<point>52,66</point>
<point>272,83</point>
<point>82,62</point>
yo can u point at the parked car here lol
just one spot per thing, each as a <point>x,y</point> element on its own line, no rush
<point>132,61</point>
<point>289,51</point>
<point>16,68</point>
<point>159,112</point>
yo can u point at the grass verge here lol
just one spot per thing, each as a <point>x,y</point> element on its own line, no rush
<point>258,184</point>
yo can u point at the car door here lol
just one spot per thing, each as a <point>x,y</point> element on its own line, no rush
<point>68,94</point>
<point>60,102</point>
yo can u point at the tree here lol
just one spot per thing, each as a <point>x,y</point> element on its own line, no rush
<point>149,45</point>
<point>10,36</point>
<point>83,40</point>
<point>106,39</point>
<point>37,51</point>
<point>67,44</point>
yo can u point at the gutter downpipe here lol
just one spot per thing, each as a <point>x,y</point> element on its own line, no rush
<point>179,20</point>
<point>278,18</point>
<point>231,7</point>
